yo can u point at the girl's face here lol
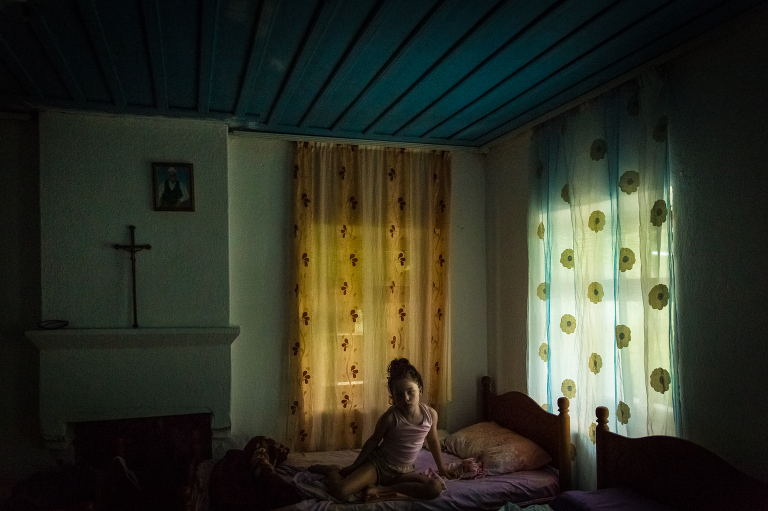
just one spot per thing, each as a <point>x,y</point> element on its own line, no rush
<point>406,394</point>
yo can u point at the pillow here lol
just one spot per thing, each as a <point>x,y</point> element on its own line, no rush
<point>498,449</point>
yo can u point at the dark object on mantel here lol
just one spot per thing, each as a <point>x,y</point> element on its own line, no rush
<point>53,324</point>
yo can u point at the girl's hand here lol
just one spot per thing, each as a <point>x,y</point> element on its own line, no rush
<point>344,472</point>
<point>448,473</point>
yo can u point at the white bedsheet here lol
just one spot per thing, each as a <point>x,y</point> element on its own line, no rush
<point>484,494</point>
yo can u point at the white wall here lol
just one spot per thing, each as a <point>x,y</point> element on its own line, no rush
<point>718,127</point>
<point>467,281</point>
<point>507,224</point>
<point>95,180</point>
<point>260,208</point>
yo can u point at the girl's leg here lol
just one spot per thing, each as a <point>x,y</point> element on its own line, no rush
<point>324,469</point>
<point>331,472</point>
<point>413,485</point>
<point>341,488</point>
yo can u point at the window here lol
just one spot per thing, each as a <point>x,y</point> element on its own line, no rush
<point>369,236</point>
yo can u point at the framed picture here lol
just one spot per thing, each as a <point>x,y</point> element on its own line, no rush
<point>173,186</point>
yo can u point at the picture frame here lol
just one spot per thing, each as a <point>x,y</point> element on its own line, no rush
<point>173,186</point>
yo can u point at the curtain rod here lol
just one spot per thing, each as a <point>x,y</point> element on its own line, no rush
<point>352,141</point>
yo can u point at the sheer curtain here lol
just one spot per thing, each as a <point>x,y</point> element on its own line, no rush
<point>601,288</point>
<point>370,259</point>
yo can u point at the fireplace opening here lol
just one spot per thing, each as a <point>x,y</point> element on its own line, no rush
<point>148,463</point>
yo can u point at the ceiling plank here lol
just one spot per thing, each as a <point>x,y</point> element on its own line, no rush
<point>532,118</point>
<point>18,69</point>
<point>407,42</point>
<point>106,63</point>
<point>153,30</point>
<point>452,72</point>
<point>209,13</point>
<point>261,34</point>
<point>584,61</point>
<point>365,33</point>
<point>322,15</point>
<point>57,56</point>
<point>488,61</point>
<point>553,52</point>
<point>482,23</point>
<point>558,49</point>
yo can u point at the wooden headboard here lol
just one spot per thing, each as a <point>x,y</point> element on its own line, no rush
<point>521,414</point>
<point>673,471</point>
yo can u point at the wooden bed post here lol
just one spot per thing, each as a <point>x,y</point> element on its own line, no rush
<point>565,444</point>
<point>600,448</point>
<point>486,383</point>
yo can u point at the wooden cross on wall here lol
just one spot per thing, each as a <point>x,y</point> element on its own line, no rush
<point>133,248</point>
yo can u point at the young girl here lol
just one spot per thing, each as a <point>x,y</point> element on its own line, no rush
<point>385,463</point>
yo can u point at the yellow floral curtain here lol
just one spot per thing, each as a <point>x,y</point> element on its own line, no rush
<point>601,286</point>
<point>370,259</point>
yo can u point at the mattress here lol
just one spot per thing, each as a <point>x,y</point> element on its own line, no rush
<point>480,494</point>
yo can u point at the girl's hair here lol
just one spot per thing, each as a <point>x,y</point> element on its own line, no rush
<point>400,368</point>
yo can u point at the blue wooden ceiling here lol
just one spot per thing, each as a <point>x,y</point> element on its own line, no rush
<point>449,72</point>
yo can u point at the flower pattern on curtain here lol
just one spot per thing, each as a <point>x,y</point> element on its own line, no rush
<point>600,306</point>
<point>370,259</point>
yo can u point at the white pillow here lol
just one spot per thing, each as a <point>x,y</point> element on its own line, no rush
<point>498,449</point>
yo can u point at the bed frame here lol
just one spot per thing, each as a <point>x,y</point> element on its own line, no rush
<point>521,414</point>
<point>673,471</point>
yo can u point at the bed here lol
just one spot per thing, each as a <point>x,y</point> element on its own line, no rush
<point>513,410</point>
<point>661,473</point>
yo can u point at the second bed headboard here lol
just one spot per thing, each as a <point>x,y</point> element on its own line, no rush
<point>521,414</point>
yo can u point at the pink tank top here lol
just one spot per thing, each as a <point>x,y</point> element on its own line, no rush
<point>402,443</point>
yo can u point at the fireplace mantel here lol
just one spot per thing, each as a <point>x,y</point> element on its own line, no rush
<point>93,374</point>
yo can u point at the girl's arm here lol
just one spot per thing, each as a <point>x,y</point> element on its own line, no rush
<point>384,424</point>
<point>434,447</point>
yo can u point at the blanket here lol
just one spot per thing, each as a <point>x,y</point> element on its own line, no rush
<point>475,491</point>
<point>245,480</point>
